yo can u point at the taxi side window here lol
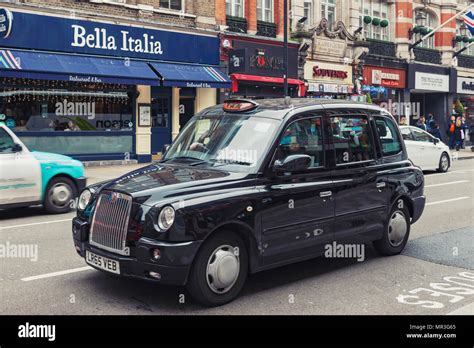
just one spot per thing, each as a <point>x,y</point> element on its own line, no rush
<point>303,137</point>
<point>388,135</point>
<point>352,139</point>
<point>6,142</point>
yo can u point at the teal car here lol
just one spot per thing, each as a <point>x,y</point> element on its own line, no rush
<point>31,177</point>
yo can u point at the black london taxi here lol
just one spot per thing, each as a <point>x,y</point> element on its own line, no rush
<point>252,185</point>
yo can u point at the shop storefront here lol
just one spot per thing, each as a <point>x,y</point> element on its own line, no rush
<point>256,68</point>
<point>99,91</point>
<point>465,94</point>
<point>432,90</point>
<point>327,80</point>
<point>385,85</point>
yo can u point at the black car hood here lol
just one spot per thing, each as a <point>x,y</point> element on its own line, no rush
<point>153,183</point>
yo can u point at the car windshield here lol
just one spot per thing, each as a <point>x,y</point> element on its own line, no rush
<point>224,140</point>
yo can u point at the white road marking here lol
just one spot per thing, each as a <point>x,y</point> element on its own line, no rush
<point>466,310</point>
<point>447,183</point>
<point>447,200</point>
<point>55,274</point>
<point>35,223</point>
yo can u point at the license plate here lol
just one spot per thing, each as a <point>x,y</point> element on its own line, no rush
<point>101,262</point>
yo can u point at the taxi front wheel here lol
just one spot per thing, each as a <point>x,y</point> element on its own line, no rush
<point>219,270</point>
<point>59,195</point>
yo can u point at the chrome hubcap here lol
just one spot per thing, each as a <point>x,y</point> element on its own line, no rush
<point>223,269</point>
<point>397,228</point>
<point>60,194</point>
<point>444,162</point>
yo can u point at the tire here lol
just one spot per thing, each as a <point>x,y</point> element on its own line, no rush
<point>59,194</point>
<point>219,252</point>
<point>444,163</point>
<point>393,243</point>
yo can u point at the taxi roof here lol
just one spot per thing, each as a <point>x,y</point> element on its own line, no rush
<point>278,108</point>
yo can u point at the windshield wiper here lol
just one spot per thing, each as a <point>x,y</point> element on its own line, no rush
<point>230,161</point>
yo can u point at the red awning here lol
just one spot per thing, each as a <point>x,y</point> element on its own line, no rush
<point>264,79</point>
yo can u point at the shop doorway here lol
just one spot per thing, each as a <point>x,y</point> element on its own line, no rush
<point>186,105</point>
<point>161,120</point>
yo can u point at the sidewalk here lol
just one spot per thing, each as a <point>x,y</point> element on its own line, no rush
<point>462,154</point>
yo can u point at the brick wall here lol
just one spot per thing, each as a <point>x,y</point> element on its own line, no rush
<point>95,10</point>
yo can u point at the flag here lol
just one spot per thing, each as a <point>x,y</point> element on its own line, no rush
<point>469,20</point>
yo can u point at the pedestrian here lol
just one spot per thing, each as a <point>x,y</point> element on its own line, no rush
<point>464,129</point>
<point>458,133</point>
<point>421,123</point>
<point>430,123</point>
<point>450,128</point>
<point>434,131</point>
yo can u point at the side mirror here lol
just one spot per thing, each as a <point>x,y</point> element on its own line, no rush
<point>164,149</point>
<point>436,140</point>
<point>17,148</point>
<point>292,163</point>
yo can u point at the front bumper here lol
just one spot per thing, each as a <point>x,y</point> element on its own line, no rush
<point>173,266</point>
<point>418,207</point>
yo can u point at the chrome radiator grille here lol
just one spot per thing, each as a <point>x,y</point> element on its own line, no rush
<point>110,222</point>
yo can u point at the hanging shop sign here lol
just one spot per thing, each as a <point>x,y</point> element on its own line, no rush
<point>386,77</point>
<point>49,33</point>
<point>465,85</point>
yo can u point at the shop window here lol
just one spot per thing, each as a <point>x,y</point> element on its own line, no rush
<point>265,10</point>
<point>352,139</point>
<point>308,12</point>
<point>235,8</point>
<point>429,22</point>
<point>375,9</point>
<point>328,11</point>
<point>160,111</point>
<point>59,106</point>
<point>388,135</point>
<point>303,137</point>
<point>172,4</point>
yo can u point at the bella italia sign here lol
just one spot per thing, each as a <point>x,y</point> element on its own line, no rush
<point>48,33</point>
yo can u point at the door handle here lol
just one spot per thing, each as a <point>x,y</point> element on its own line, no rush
<point>325,194</point>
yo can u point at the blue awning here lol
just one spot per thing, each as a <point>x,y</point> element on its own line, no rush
<point>74,68</point>
<point>186,75</point>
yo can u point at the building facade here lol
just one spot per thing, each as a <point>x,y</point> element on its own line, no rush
<point>410,81</point>
<point>106,79</point>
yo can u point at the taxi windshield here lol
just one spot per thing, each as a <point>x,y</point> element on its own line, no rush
<point>224,140</point>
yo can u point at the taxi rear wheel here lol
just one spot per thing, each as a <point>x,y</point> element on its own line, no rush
<point>396,232</point>
<point>219,270</point>
<point>59,195</point>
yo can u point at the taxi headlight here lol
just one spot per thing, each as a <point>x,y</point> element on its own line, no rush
<point>166,218</point>
<point>84,199</point>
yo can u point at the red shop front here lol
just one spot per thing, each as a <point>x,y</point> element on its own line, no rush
<point>384,83</point>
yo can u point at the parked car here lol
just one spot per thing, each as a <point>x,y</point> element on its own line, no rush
<point>426,151</point>
<point>32,177</point>
<point>248,186</point>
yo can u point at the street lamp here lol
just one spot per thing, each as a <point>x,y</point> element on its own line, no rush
<point>420,27</point>
<point>463,35</point>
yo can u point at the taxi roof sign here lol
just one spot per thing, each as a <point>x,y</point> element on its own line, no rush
<point>239,105</point>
